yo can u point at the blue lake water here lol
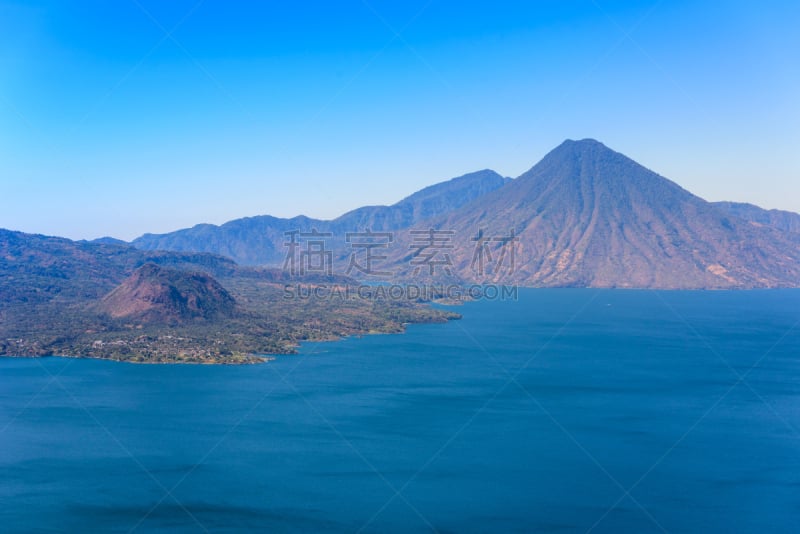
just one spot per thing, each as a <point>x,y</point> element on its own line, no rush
<point>565,411</point>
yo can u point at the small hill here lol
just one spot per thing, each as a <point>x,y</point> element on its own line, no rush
<point>159,294</point>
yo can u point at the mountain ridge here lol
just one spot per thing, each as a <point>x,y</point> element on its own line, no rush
<point>787,221</point>
<point>583,216</point>
<point>259,240</point>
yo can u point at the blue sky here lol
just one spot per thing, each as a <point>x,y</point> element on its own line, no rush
<point>119,117</point>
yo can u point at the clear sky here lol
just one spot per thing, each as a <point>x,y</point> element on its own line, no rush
<point>119,117</point>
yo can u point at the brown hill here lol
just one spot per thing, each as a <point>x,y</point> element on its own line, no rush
<point>105,300</point>
<point>587,216</point>
<point>158,294</point>
<point>39,269</point>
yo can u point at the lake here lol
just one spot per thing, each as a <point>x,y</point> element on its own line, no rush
<point>564,411</point>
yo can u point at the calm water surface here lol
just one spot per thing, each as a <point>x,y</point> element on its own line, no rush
<point>566,411</point>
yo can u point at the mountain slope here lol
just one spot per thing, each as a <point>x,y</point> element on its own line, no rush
<point>786,221</point>
<point>110,301</point>
<point>588,216</point>
<point>260,240</point>
<point>431,201</point>
<point>249,241</point>
<point>159,294</point>
<point>37,268</point>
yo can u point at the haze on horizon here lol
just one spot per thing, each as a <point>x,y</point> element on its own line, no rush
<point>120,118</point>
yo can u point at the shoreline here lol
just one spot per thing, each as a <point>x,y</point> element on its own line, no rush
<point>248,359</point>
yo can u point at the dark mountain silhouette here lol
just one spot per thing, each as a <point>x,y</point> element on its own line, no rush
<point>786,221</point>
<point>260,240</point>
<point>588,216</point>
<point>159,294</point>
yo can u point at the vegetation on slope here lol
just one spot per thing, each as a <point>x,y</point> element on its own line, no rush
<point>110,301</point>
